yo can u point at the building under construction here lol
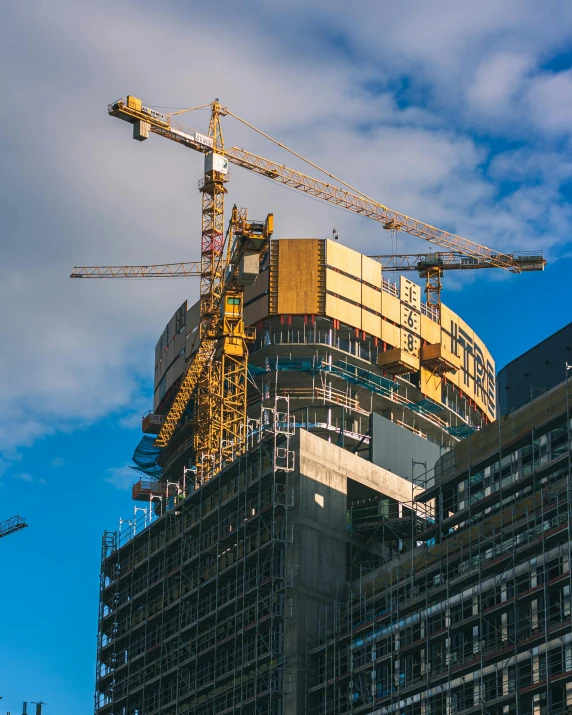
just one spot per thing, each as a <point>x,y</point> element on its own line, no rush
<point>263,588</point>
<point>327,521</point>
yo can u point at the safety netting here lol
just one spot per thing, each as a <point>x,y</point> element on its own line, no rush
<point>145,457</point>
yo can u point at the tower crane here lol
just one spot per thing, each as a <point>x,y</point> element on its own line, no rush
<point>431,266</point>
<point>222,347</point>
<point>216,433</point>
<point>9,526</point>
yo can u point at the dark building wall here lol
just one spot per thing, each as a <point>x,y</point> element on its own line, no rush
<point>396,449</point>
<point>542,367</point>
<point>478,618</point>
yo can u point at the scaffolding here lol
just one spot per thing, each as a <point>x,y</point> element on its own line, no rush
<point>320,363</point>
<point>474,613</point>
<point>193,604</point>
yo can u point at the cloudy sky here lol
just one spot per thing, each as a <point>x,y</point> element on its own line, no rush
<point>456,113</point>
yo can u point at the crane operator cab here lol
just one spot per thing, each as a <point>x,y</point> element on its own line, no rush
<point>234,333</point>
<point>232,306</point>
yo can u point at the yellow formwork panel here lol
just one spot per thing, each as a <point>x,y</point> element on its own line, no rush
<point>298,276</point>
<point>391,307</point>
<point>474,359</point>
<point>456,379</point>
<point>344,258</point>
<point>438,358</point>
<point>397,361</point>
<point>371,298</point>
<point>371,323</point>
<point>343,311</point>
<point>410,343</point>
<point>371,271</point>
<point>430,385</point>
<point>465,331</point>
<point>430,331</point>
<point>409,292</point>
<point>342,285</point>
<point>390,334</point>
<point>447,317</point>
<point>410,319</point>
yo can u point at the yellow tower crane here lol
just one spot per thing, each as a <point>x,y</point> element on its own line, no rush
<point>221,357</point>
<point>218,366</point>
<point>431,266</point>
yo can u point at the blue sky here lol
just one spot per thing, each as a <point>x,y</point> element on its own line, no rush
<point>456,113</point>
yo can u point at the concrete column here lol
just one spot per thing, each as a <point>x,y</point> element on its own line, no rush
<point>505,685</point>
<point>566,601</point>
<point>477,688</point>
<point>569,694</point>
<point>534,614</point>
<point>504,626</point>
<point>535,666</point>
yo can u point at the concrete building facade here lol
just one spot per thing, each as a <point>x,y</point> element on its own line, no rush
<point>477,616</point>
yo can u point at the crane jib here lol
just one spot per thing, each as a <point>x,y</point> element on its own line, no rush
<point>390,219</point>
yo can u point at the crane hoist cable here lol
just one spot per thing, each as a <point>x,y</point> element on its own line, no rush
<point>299,156</point>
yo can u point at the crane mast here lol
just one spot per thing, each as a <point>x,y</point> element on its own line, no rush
<point>210,385</point>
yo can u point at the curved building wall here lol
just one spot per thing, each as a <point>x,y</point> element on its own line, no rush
<point>315,277</point>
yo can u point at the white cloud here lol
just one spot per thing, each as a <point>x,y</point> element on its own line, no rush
<point>26,477</point>
<point>496,82</point>
<point>121,477</point>
<point>550,101</point>
<point>77,190</point>
<point>58,462</point>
